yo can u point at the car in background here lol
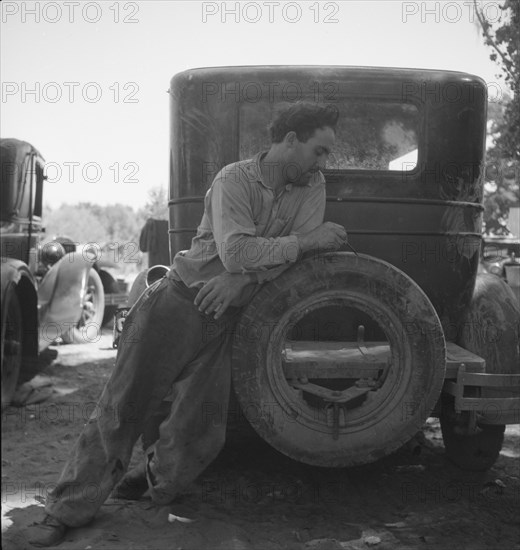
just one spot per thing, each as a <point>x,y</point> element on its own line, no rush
<point>501,257</point>
<point>50,290</point>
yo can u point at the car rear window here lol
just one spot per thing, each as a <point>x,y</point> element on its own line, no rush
<point>371,134</point>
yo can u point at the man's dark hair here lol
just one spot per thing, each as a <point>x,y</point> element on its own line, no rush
<point>302,117</point>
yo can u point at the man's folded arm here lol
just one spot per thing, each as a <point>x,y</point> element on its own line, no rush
<point>309,217</point>
<point>234,231</point>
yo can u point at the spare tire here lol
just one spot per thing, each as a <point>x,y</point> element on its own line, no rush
<point>303,417</point>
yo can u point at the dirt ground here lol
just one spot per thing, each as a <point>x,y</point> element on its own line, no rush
<point>252,497</point>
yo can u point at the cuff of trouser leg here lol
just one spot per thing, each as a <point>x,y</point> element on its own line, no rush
<point>161,493</point>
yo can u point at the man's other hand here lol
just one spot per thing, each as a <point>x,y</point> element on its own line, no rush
<point>327,236</point>
<point>219,292</point>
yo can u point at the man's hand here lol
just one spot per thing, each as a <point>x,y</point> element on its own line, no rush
<point>327,236</point>
<point>220,291</point>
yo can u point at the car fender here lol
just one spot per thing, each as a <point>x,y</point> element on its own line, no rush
<point>490,327</point>
<point>60,292</point>
<point>12,271</point>
<point>15,273</point>
<point>145,279</point>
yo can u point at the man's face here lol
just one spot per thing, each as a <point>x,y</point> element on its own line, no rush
<point>306,158</point>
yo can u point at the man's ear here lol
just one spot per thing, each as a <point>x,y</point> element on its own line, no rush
<point>290,138</point>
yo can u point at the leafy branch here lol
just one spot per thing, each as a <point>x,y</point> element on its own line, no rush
<point>508,64</point>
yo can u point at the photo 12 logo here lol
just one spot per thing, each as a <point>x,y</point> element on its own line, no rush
<point>91,172</point>
<point>69,12</point>
<point>450,12</point>
<point>70,92</point>
<point>271,12</point>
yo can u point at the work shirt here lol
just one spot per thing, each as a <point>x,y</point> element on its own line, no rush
<point>247,228</point>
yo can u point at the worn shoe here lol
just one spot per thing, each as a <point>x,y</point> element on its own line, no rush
<point>49,532</point>
<point>133,485</point>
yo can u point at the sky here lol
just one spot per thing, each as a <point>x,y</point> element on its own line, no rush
<point>86,82</point>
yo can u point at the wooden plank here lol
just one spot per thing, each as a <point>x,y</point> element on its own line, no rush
<point>327,359</point>
<point>456,356</point>
<point>297,345</point>
<point>330,369</point>
<point>335,351</point>
<point>334,359</point>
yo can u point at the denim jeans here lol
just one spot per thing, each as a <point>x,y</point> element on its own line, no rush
<point>168,349</point>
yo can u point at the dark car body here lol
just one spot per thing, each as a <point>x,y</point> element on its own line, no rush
<point>342,358</point>
<point>429,214</point>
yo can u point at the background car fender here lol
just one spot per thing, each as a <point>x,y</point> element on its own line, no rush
<point>60,291</point>
<point>143,280</point>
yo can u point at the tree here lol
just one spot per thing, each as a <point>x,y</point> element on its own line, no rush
<point>86,222</point>
<point>119,221</point>
<point>503,156</point>
<point>501,186</point>
<point>78,222</point>
<point>157,204</point>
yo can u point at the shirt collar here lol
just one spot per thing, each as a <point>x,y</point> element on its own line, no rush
<point>257,170</point>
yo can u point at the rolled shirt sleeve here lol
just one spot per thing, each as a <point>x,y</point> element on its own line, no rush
<point>308,218</point>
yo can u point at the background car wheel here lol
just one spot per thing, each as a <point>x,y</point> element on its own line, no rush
<point>309,382</point>
<point>490,329</point>
<point>88,328</point>
<point>12,338</point>
<point>110,286</point>
<point>476,452</point>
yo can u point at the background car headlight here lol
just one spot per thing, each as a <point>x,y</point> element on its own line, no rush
<point>52,252</point>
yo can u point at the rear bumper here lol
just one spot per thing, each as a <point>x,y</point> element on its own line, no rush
<point>468,386</point>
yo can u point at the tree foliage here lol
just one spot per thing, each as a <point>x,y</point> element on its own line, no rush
<point>119,221</point>
<point>114,223</point>
<point>157,204</point>
<point>503,155</point>
<point>77,222</point>
<point>87,222</point>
